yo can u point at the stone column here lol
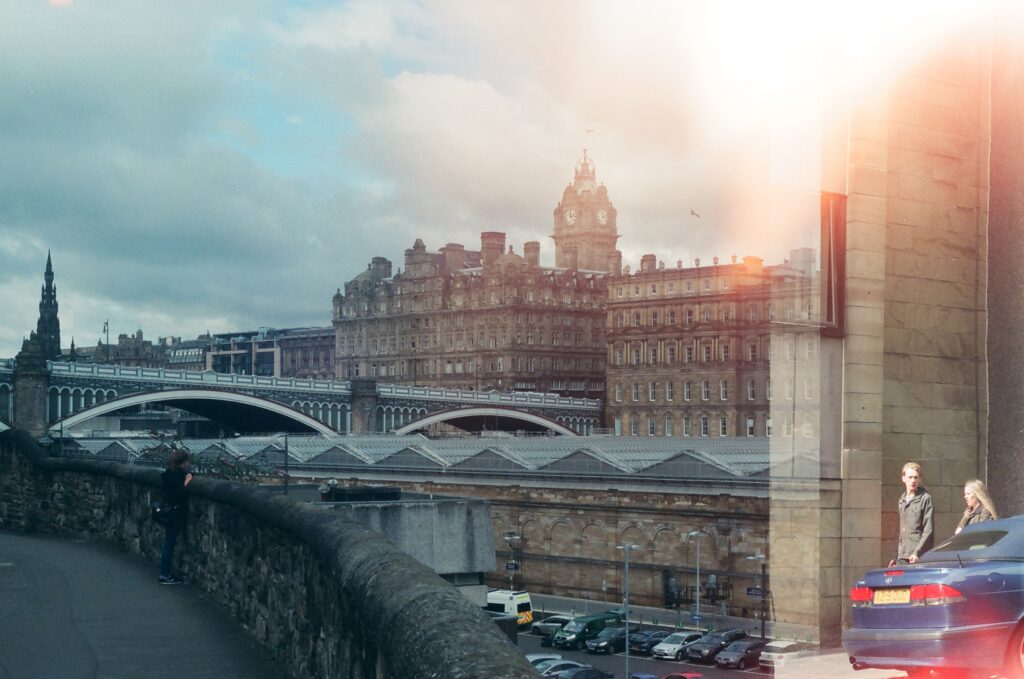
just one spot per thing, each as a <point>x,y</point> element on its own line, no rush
<point>364,406</point>
<point>1005,285</point>
<point>31,379</point>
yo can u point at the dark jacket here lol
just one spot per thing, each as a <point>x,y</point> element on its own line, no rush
<point>977,516</point>
<point>175,493</point>
<point>917,533</point>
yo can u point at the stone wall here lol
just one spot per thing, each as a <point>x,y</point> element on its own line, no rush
<point>569,537</point>
<point>327,596</point>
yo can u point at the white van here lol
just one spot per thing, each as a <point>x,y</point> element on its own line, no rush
<point>511,603</point>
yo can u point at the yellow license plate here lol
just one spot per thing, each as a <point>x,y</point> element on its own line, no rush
<point>892,596</point>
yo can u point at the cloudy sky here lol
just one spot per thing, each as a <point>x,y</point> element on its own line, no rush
<point>227,165</point>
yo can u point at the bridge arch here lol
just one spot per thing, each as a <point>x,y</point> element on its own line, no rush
<point>456,414</point>
<point>179,397</point>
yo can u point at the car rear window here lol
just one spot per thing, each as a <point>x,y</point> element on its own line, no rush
<point>969,541</point>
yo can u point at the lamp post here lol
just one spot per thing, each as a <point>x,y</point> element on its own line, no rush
<point>764,586</point>
<point>276,448</point>
<point>511,537</point>
<point>626,548</point>
<point>697,533</point>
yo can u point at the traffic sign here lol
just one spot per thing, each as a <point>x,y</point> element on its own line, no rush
<point>696,618</point>
<point>511,566</point>
<point>755,591</point>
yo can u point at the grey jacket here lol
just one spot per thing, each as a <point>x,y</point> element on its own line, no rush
<point>917,534</point>
<point>977,516</point>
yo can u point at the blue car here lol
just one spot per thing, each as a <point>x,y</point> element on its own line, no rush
<point>959,608</point>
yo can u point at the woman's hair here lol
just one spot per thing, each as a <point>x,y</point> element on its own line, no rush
<point>980,491</point>
<point>178,458</point>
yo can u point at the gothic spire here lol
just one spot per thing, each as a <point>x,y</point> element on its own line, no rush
<point>48,325</point>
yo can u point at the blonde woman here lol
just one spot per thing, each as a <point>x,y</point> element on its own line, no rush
<point>979,505</point>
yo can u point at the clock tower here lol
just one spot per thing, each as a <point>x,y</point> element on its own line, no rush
<point>585,231</point>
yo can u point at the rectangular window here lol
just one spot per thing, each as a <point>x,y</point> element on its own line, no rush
<point>668,425</point>
<point>689,354</point>
<point>636,391</point>
<point>704,425</point>
<point>726,352</point>
<point>669,391</point>
<point>707,353</point>
<point>752,312</point>
<point>768,389</point>
<point>652,391</point>
<point>618,427</point>
<point>618,357</point>
<point>686,426</point>
<point>636,356</point>
<point>750,426</point>
<point>650,426</point>
<point>707,315</point>
<point>751,352</point>
<point>652,355</point>
<point>654,318</point>
<point>619,291</point>
<point>618,392</point>
<point>723,389</point>
<point>723,427</point>
<point>687,391</point>
<point>636,319</point>
<point>768,427</point>
<point>671,317</point>
<point>751,390</point>
<point>634,426</point>
<point>671,358</point>
<point>705,390</point>
<point>689,316</point>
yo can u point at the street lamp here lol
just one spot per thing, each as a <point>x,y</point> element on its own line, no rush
<point>276,448</point>
<point>764,586</point>
<point>626,548</point>
<point>692,534</point>
<point>511,537</point>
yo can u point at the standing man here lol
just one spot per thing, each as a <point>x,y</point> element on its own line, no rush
<point>916,526</point>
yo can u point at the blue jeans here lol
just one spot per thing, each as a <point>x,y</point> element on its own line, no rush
<point>167,553</point>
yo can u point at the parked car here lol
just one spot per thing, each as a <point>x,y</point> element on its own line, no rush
<point>609,640</point>
<point>643,640</point>
<point>711,644</point>
<point>741,654</point>
<point>537,658</point>
<point>684,675</point>
<point>776,654</point>
<point>958,607</point>
<point>675,645</point>
<point>584,628</point>
<point>550,668</point>
<point>585,673</point>
<point>549,627</point>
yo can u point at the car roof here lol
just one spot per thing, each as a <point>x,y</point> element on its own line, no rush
<point>965,544</point>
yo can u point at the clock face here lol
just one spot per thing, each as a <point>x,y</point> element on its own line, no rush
<point>570,216</point>
<point>602,217</point>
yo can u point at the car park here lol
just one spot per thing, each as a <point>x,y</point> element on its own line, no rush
<point>643,640</point>
<point>776,654</point>
<point>584,628</point>
<point>959,607</point>
<point>741,654</point>
<point>711,644</point>
<point>550,668</point>
<point>675,645</point>
<point>549,627</point>
<point>609,640</point>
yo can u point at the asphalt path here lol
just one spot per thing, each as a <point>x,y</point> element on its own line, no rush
<point>528,643</point>
<point>82,610</point>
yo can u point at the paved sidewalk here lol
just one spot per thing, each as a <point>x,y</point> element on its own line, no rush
<point>75,610</point>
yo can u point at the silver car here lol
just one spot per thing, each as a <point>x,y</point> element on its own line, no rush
<point>675,645</point>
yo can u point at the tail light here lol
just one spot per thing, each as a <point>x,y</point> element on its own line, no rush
<point>934,594</point>
<point>860,596</point>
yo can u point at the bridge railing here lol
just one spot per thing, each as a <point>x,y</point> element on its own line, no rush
<point>529,398</point>
<point>325,595</point>
<point>205,378</point>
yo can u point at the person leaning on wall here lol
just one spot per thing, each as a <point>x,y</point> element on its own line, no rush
<point>174,488</point>
<point>979,505</point>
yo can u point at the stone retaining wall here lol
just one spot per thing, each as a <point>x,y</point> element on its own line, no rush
<point>327,596</point>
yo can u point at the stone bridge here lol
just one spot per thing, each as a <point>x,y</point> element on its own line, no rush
<point>63,395</point>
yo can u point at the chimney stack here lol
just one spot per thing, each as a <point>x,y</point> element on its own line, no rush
<point>615,263</point>
<point>454,256</point>
<point>531,250</point>
<point>492,245</point>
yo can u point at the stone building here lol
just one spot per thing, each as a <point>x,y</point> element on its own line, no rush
<point>307,352</point>
<point>488,319</point>
<point>690,349</point>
